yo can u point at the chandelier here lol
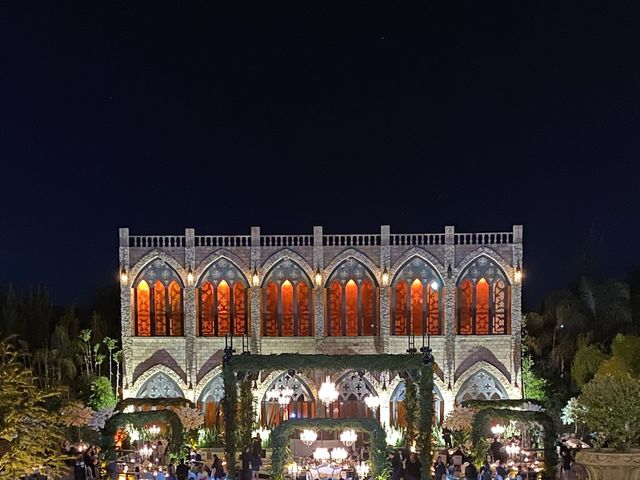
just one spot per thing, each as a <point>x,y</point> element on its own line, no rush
<point>146,451</point>
<point>348,437</point>
<point>308,437</point>
<point>339,454</point>
<point>372,402</point>
<point>321,454</point>
<point>512,449</point>
<point>362,469</point>
<point>282,396</point>
<point>497,429</point>
<point>154,430</point>
<point>328,392</point>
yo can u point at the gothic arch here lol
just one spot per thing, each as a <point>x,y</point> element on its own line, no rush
<point>481,385</point>
<point>264,385</point>
<point>158,372</point>
<point>501,380</point>
<point>409,254</point>
<point>204,265</point>
<point>141,264</point>
<point>213,390</point>
<point>506,267</point>
<point>206,380</point>
<point>286,254</point>
<point>352,380</point>
<point>357,255</point>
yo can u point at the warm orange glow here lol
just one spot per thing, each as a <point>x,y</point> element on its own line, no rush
<point>465,308</point>
<point>206,310</point>
<point>482,307</point>
<point>433,314</point>
<point>271,310</point>
<point>368,308</point>
<point>160,311</point>
<point>417,303</point>
<point>240,309</point>
<point>286,290</point>
<point>304,317</point>
<point>500,320</point>
<point>175,302</point>
<point>351,297</point>
<point>400,315</point>
<point>223,297</point>
<point>335,309</point>
<point>143,309</point>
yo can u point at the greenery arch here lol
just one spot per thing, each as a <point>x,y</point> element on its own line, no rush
<point>482,424</point>
<point>420,367</point>
<point>280,441</point>
<point>140,419</point>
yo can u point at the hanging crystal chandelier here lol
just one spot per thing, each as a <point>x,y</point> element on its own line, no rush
<point>339,454</point>
<point>282,396</point>
<point>328,393</point>
<point>321,454</point>
<point>362,469</point>
<point>348,437</point>
<point>154,430</point>
<point>308,437</point>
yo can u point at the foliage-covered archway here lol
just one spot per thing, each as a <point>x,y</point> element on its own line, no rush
<point>235,368</point>
<point>280,441</point>
<point>140,420</point>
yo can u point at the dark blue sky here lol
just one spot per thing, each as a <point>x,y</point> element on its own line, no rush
<point>344,114</point>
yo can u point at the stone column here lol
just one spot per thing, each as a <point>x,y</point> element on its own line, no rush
<point>256,263</point>
<point>318,291</point>
<point>516,312</point>
<point>449,304</point>
<point>191,353</point>
<point>125,313</point>
<point>385,307</point>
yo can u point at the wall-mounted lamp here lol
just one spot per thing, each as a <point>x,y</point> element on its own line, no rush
<point>190,277</point>
<point>318,278</point>
<point>255,279</point>
<point>385,277</point>
<point>518,275</point>
<point>124,277</point>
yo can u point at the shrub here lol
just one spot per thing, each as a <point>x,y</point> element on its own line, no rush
<point>102,395</point>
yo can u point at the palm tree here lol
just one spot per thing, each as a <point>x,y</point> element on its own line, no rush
<point>110,343</point>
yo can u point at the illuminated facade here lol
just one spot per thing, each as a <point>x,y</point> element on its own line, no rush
<point>183,296</point>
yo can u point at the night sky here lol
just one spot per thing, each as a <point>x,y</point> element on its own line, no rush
<point>349,115</point>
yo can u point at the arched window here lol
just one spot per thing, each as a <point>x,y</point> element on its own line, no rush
<point>286,302</point>
<point>210,402</point>
<point>481,386</point>
<point>222,301</point>
<point>417,300</point>
<point>157,301</point>
<point>160,386</point>
<point>398,411</point>
<point>353,301</point>
<point>300,403</point>
<point>353,389</point>
<point>483,299</point>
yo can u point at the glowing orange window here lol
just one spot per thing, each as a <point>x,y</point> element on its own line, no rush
<point>465,308</point>
<point>351,304</point>
<point>223,296</point>
<point>482,307</point>
<point>206,310</point>
<point>416,307</point>
<point>143,309</point>
<point>160,309</point>
<point>335,309</point>
<point>499,308</point>
<point>287,309</point>
<point>240,309</point>
<point>175,302</point>
<point>304,317</point>
<point>400,311</point>
<point>271,310</point>
<point>433,314</point>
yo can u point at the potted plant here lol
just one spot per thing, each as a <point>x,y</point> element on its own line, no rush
<point>610,408</point>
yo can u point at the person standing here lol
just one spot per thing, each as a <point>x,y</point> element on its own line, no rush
<point>439,469</point>
<point>414,467</point>
<point>256,460</point>
<point>245,459</point>
<point>182,471</point>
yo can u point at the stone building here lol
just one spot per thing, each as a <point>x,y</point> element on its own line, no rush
<point>184,296</point>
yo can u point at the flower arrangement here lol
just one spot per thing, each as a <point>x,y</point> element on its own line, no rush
<point>76,414</point>
<point>190,418</point>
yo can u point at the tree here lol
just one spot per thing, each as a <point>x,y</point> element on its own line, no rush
<point>586,362</point>
<point>534,387</point>
<point>29,426</point>
<point>102,395</point>
<point>110,343</point>
<point>412,410</point>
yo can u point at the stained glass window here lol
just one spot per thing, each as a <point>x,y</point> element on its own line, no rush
<point>223,297</point>
<point>287,309</point>
<point>143,309</point>
<point>400,310</point>
<point>158,300</point>
<point>304,317</point>
<point>240,309</point>
<point>271,311</point>
<point>499,307</point>
<point>416,307</point>
<point>465,308</point>
<point>490,291</point>
<point>160,309</point>
<point>353,300</point>
<point>206,309</point>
